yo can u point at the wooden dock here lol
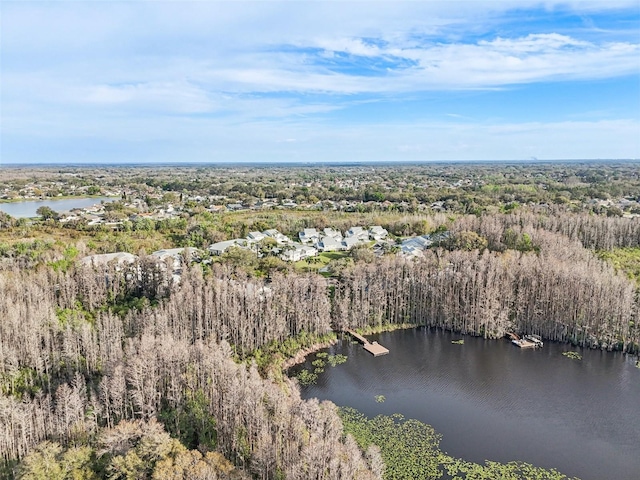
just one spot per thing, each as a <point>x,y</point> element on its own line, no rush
<point>373,348</point>
<point>529,341</point>
<point>522,343</point>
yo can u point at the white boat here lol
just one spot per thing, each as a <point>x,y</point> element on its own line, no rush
<point>535,339</point>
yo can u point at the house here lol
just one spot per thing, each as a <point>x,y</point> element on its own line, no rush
<point>329,244</point>
<point>120,258</point>
<point>234,207</point>
<point>358,232</point>
<point>221,247</point>
<point>255,237</point>
<point>309,235</point>
<point>377,233</point>
<point>330,232</point>
<point>279,237</point>
<point>414,246</point>
<point>298,252</point>
<point>349,242</point>
<point>176,255</point>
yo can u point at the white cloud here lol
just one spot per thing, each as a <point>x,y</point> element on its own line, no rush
<point>279,70</point>
<point>166,97</point>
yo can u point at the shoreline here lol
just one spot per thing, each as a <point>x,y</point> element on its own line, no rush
<point>301,355</point>
<point>53,199</point>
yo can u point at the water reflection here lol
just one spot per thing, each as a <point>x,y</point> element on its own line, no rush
<point>491,400</point>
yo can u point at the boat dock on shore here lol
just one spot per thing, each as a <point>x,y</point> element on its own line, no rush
<point>528,341</point>
<point>373,348</point>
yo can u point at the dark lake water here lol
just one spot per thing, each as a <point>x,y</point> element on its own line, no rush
<point>28,208</point>
<point>493,401</point>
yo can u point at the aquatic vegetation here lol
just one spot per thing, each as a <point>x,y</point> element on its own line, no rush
<point>322,354</point>
<point>380,398</point>
<point>318,363</point>
<point>458,342</point>
<point>411,449</point>
<point>305,377</point>
<point>338,359</point>
<point>572,355</point>
<point>461,469</point>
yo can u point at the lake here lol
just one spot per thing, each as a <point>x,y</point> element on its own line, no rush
<point>28,208</point>
<point>493,401</point>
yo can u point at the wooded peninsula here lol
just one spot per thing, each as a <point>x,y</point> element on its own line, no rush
<point>131,348</point>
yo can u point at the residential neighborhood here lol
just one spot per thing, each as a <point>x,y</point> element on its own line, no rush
<point>311,241</point>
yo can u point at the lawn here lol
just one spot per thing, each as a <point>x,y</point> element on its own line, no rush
<point>315,263</point>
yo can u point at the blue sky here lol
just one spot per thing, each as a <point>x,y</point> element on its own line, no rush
<point>313,81</point>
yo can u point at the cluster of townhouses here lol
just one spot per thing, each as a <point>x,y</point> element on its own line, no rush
<point>311,241</point>
<point>170,258</point>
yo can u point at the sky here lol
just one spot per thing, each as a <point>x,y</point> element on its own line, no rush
<point>318,81</point>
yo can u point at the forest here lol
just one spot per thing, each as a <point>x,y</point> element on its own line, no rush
<point>118,371</point>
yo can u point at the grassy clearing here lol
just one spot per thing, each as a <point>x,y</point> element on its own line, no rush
<point>313,264</point>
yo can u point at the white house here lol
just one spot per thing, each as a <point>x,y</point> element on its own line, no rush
<point>176,254</point>
<point>119,258</point>
<point>279,237</point>
<point>349,242</point>
<point>358,232</point>
<point>416,245</point>
<point>378,233</point>
<point>309,235</point>
<point>329,244</point>
<point>330,232</point>
<point>221,247</point>
<point>299,252</point>
<point>255,237</point>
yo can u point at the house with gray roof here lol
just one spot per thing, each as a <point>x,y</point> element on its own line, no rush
<point>309,235</point>
<point>220,247</point>
<point>329,244</point>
